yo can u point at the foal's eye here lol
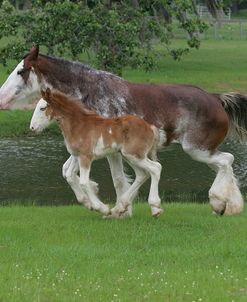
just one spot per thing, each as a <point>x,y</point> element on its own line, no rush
<point>42,108</point>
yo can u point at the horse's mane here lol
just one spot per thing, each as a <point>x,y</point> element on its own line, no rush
<point>75,66</point>
<point>67,105</point>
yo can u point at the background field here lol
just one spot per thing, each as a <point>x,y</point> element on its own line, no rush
<point>71,254</point>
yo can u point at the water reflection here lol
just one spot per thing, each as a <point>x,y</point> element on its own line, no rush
<point>31,171</point>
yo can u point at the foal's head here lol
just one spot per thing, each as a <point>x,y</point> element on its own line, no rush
<point>58,106</point>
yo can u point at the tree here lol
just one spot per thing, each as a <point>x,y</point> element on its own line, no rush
<point>117,33</point>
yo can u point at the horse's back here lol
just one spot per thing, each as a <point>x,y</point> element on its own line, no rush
<point>185,112</point>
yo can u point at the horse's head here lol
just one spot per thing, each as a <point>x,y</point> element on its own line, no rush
<point>23,84</point>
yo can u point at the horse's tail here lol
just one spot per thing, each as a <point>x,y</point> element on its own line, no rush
<point>235,105</point>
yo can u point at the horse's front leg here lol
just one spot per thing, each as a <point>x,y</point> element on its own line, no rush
<point>120,180</point>
<point>85,167</point>
<point>70,173</point>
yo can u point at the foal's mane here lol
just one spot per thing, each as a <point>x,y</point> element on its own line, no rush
<point>68,106</point>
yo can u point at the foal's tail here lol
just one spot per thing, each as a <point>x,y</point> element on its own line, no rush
<point>236,107</point>
<point>159,139</point>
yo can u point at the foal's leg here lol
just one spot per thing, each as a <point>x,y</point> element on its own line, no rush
<point>126,199</point>
<point>85,166</point>
<point>120,180</point>
<point>224,194</point>
<point>70,171</point>
<point>142,168</point>
<point>154,169</point>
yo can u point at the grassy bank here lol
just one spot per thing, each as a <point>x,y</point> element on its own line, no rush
<point>216,66</point>
<point>16,124</point>
<point>72,254</point>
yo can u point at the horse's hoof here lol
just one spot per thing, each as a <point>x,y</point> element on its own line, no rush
<point>156,212</point>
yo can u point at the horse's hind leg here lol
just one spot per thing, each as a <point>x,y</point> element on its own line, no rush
<point>120,180</point>
<point>224,194</point>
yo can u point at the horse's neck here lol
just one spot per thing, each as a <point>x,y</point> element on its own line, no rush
<point>100,91</point>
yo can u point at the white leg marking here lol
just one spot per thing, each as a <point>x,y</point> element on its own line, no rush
<point>224,194</point>
<point>70,173</point>
<point>143,168</point>
<point>154,169</point>
<point>120,181</point>
<point>90,191</point>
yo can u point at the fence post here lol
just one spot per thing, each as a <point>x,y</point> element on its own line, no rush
<point>215,30</point>
<point>241,29</point>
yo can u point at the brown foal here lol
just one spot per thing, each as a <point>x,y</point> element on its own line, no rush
<point>89,136</point>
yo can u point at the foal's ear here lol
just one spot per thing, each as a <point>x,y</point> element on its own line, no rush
<point>34,52</point>
<point>46,94</point>
<point>43,93</point>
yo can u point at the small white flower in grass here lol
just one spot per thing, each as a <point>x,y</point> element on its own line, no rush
<point>17,265</point>
<point>200,299</point>
<point>115,295</point>
<point>216,267</point>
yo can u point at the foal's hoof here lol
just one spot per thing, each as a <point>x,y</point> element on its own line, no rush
<point>116,213</point>
<point>106,210</point>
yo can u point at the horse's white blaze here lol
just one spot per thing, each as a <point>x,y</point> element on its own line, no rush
<point>39,119</point>
<point>15,93</point>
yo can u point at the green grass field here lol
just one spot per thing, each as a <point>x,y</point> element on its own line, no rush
<point>72,254</point>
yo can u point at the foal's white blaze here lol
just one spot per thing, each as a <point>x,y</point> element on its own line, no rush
<point>15,89</point>
<point>39,119</point>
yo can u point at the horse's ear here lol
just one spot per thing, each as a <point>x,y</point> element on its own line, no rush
<point>34,52</point>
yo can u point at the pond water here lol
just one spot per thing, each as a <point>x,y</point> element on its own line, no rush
<point>31,172</point>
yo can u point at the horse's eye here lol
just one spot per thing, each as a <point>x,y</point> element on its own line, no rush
<point>42,108</point>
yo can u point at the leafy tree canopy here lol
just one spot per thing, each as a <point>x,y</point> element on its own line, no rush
<point>117,33</point>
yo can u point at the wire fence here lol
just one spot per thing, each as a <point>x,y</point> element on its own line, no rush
<point>225,30</point>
